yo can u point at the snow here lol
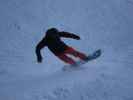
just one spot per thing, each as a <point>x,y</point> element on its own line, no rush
<point>101,24</point>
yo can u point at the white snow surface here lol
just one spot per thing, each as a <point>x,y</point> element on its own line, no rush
<point>104,24</point>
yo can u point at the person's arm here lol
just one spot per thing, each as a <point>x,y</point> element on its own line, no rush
<point>39,46</point>
<point>69,35</point>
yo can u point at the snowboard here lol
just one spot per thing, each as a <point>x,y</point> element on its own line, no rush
<point>96,54</point>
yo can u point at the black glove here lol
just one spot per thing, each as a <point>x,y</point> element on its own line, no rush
<point>39,59</point>
<point>77,38</point>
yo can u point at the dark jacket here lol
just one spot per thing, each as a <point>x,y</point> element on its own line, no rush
<point>53,41</point>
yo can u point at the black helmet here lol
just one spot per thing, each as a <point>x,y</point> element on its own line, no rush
<point>52,30</point>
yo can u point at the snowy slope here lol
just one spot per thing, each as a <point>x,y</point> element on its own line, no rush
<point>105,24</point>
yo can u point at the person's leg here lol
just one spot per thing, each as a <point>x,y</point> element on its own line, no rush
<point>76,53</point>
<point>66,59</point>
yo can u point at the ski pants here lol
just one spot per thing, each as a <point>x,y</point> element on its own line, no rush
<point>71,51</point>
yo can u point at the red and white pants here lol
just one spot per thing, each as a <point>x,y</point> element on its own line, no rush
<point>71,51</point>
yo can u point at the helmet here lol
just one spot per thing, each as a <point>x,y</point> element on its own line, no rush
<point>52,30</point>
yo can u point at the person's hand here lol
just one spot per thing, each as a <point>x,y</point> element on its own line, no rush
<point>39,59</point>
<point>77,38</point>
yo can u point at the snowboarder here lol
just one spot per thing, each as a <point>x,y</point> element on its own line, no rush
<point>53,41</point>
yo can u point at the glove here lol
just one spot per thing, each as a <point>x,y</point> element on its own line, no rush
<point>77,38</point>
<point>39,59</point>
